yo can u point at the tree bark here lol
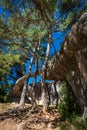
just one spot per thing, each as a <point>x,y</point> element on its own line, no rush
<point>23,95</point>
<point>25,87</point>
<point>44,68</point>
<point>33,101</point>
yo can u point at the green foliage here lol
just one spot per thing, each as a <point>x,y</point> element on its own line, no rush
<point>68,105</point>
<point>70,10</point>
<point>66,22</point>
<point>6,61</point>
<point>50,6</point>
<point>5,92</point>
<point>6,3</point>
<point>76,124</point>
<point>36,32</point>
<point>69,5</point>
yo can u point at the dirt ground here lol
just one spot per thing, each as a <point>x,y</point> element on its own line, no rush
<point>14,118</point>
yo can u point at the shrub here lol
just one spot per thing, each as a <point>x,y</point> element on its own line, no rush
<point>68,105</point>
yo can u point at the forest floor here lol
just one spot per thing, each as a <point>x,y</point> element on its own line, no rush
<point>14,118</point>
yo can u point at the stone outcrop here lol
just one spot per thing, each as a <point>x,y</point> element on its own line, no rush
<point>71,62</point>
<point>74,44</point>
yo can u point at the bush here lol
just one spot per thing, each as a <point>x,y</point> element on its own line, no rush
<point>68,105</point>
<point>5,93</point>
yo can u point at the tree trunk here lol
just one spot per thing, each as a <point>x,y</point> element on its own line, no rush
<point>33,101</point>
<point>56,94</point>
<point>23,94</point>
<point>25,87</point>
<point>44,68</point>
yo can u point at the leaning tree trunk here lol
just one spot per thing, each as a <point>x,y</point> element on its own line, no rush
<point>25,86</point>
<point>23,95</point>
<point>44,68</point>
<point>33,101</point>
<point>56,94</point>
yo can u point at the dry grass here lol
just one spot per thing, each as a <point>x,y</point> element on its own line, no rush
<point>5,106</point>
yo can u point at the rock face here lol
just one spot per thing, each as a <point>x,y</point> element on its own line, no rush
<point>71,62</point>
